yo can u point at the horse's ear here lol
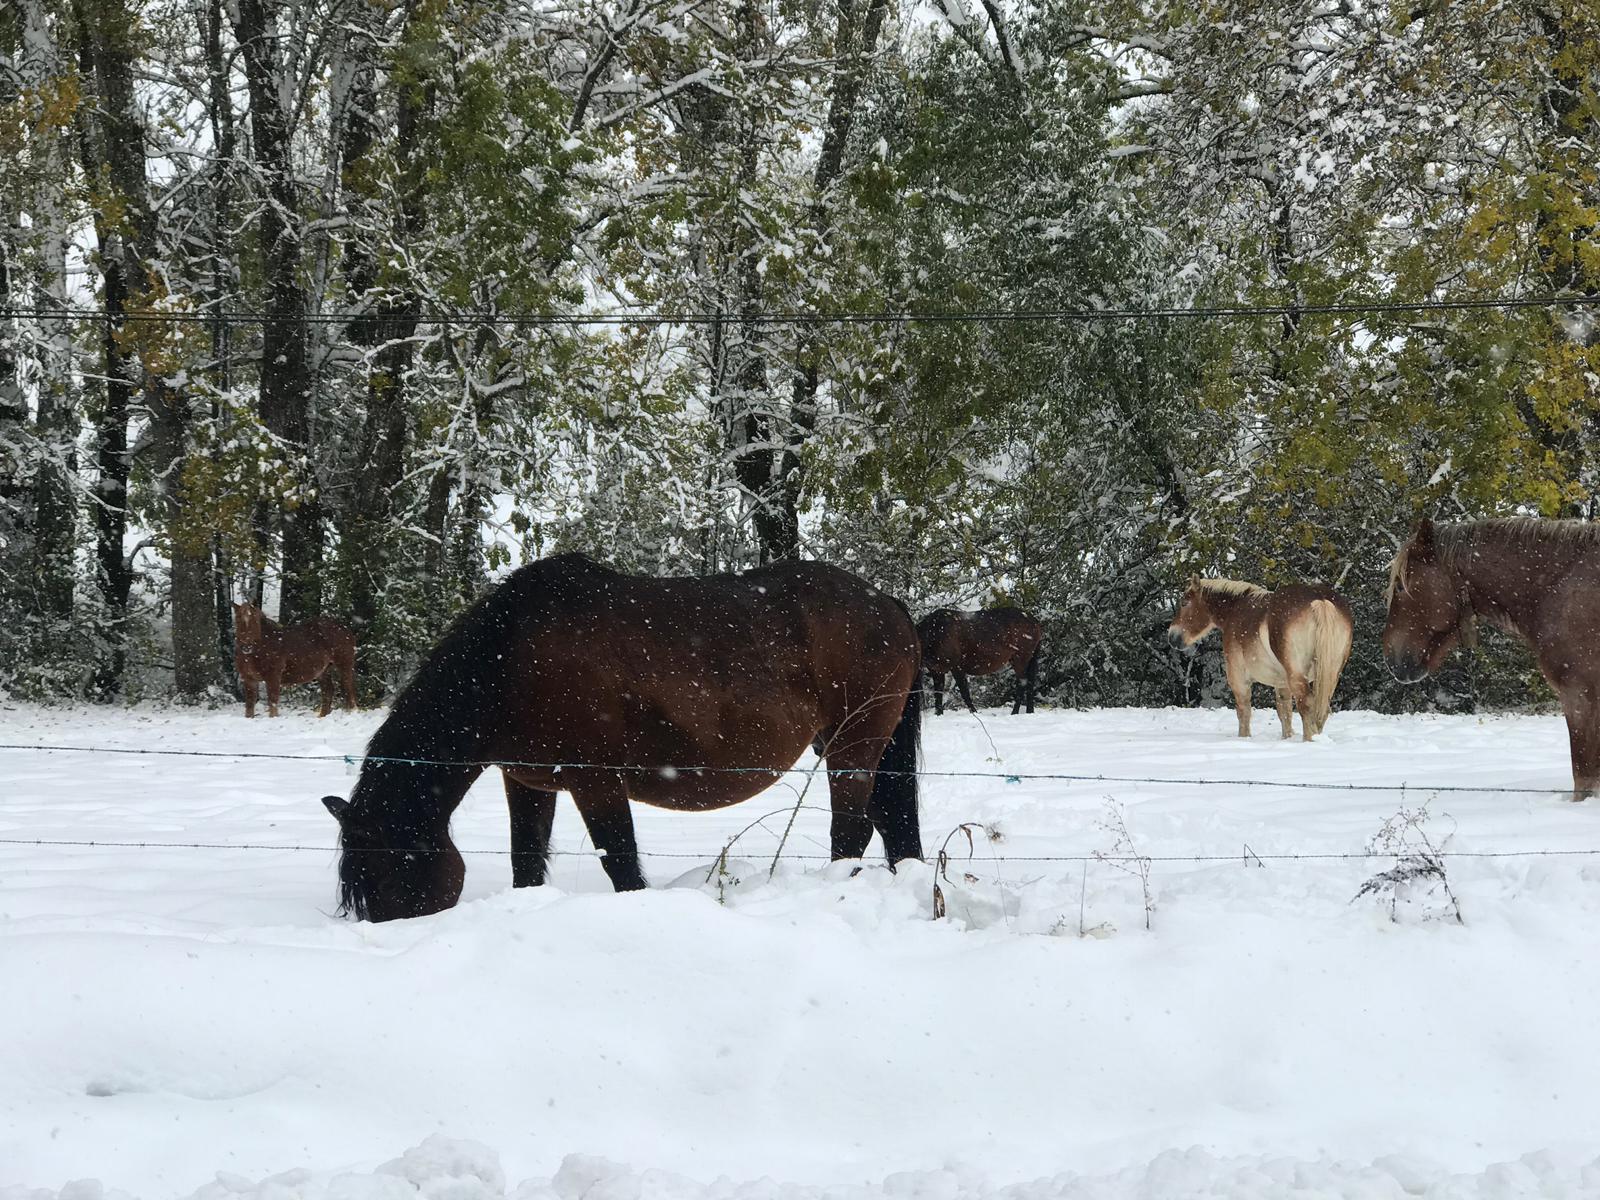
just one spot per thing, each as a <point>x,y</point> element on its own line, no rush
<point>1424,535</point>
<point>338,806</point>
<point>1191,583</point>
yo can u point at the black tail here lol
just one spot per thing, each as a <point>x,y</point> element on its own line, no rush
<point>893,806</point>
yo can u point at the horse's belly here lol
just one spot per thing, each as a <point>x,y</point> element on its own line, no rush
<point>698,791</point>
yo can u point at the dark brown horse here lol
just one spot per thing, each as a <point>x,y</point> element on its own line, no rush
<point>266,652</point>
<point>1296,640</point>
<point>980,643</point>
<point>1537,579</point>
<point>688,694</point>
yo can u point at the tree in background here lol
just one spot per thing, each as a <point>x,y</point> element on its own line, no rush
<point>365,229</point>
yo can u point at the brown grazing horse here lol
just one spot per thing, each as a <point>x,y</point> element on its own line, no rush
<point>266,652</point>
<point>688,694</point>
<point>980,643</point>
<point>1537,579</point>
<point>1296,640</point>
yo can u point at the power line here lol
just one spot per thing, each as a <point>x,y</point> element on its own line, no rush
<point>794,318</point>
<point>660,769</point>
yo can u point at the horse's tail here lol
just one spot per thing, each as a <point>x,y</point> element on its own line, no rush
<point>893,805</point>
<point>1332,633</point>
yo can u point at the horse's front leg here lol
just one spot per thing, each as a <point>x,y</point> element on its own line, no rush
<point>251,690</point>
<point>533,812</point>
<point>327,691</point>
<point>937,678</point>
<point>1239,681</point>
<point>274,686</point>
<point>602,802</point>
<point>966,695</point>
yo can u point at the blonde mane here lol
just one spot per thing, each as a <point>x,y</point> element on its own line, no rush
<point>1231,587</point>
<point>1397,564</point>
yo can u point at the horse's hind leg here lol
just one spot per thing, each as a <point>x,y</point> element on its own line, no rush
<point>347,678</point>
<point>533,812</point>
<point>603,804</point>
<point>274,685</point>
<point>938,692</point>
<point>326,680</point>
<point>850,790</point>
<point>966,695</point>
<point>1285,710</point>
<point>1025,674</point>
<point>1300,691</point>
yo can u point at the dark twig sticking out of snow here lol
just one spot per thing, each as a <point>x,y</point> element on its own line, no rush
<point>1124,856</point>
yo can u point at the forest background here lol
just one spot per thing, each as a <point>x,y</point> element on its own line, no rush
<point>287,288</point>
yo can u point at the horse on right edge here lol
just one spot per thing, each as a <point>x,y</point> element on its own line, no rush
<point>1537,579</point>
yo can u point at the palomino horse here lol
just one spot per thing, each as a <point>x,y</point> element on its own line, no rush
<point>266,652</point>
<point>980,643</point>
<point>1537,579</point>
<point>1296,640</point>
<point>688,694</point>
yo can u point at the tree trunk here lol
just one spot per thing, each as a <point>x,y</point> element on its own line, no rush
<point>112,148</point>
<point>16,534</point>
<point>854,46</point>
<point>369,532</point>
<point>285,367</point>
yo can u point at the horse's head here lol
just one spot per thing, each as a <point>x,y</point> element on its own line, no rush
<point>246,622</point>
<point>387,873</point>
<point>1193,620</point>
<point>1428,615</point>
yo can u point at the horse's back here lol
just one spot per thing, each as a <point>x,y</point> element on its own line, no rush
<point>789,626</point>
<point>1311,625</point>
<point>1009,624</point>
<point>330,633</point>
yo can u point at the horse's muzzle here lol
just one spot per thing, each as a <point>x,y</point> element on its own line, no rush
<point>1407,668</point>
<point>1175,639</point>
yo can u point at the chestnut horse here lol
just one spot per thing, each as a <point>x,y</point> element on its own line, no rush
<point>1537,579</point>
<point>687,694</point>
<point>1296,640</point>
<point>266,652</point>
<point>980,643</point>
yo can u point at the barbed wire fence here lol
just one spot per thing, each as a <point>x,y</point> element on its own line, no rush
<point>1246,855</point>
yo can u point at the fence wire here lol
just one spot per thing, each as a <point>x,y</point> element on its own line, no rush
<point>1246,855</point>
<point>668,769</point>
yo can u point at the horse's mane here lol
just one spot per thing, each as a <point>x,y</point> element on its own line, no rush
<point>1231,587</point>
<point>440,715</point>
<point>1452,542</point>
<point>442,709</point>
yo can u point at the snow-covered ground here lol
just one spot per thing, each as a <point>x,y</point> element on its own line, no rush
<point>179,1022</point>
